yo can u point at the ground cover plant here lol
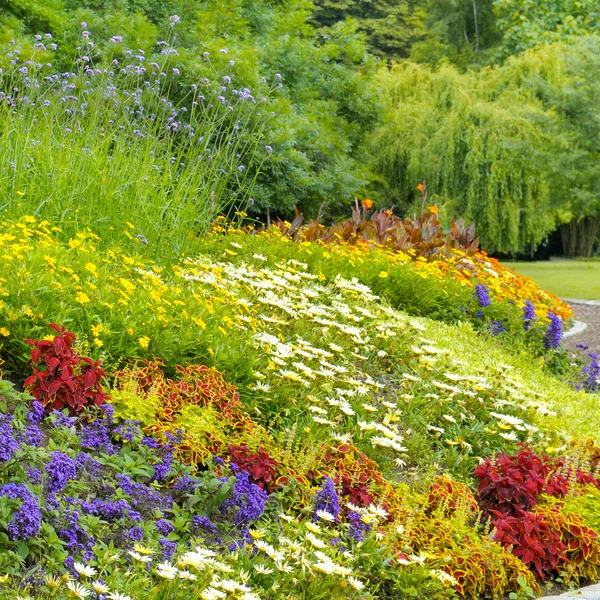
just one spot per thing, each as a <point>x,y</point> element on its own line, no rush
<point>332,413</point>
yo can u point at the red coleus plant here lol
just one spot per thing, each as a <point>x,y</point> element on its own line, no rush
<point>259,465</point>
<point>61,378</point>
<point>533,540</point>
<point>512,483</point>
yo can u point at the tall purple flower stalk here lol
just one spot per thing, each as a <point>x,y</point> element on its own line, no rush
<point>483,295</point>
<point>554,331</point>
<point>327,499</point>
<point>528,315</point>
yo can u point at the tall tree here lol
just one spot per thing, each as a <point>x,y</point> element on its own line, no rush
<point>461,31</point>
<point>390,26</point>
<point>527,23</point>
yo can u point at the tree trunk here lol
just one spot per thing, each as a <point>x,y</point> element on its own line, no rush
<point>578,236</point>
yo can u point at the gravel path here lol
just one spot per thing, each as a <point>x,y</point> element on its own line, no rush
<point>588,312</point>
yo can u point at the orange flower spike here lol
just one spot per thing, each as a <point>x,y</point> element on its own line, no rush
<point>367,204</point>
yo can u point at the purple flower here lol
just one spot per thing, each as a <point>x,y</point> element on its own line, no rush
<point>482,294</point>
<point>95,436</point>
<point>167,550</point>
<point>528,315</point>
<point>327,499</point>
<point>358,528</point>
<point>34,476</point>
<point>8,443</point>
<point>217,460</point>
<point>31,436</point>
<point>134,534</point>
<point>36,413</point>
<point>554,331</point>
<point>203,522</point>
<point>164,527</point>
<point>27,519</point>
<point>591,373</point>
<point>61,469</point>
<point>247,500</point>
<point>128,430</point>
<point>497,327</point>
<point>61,420</point>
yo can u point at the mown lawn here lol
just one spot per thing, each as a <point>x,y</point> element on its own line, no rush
<point>566,278</point>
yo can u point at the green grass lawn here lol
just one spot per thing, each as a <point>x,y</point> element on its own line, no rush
<point>565,278</point>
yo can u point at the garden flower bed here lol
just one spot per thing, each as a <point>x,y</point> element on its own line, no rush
<point>257,421</point>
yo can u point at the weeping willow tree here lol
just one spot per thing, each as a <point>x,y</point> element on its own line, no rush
<point>506,146</point>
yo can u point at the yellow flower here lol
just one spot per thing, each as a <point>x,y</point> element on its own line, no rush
<point>144,341</point>
<point>20,193</point>
<point>97,329</point>
<point>91,268</point>
<point>4,332</point>
<point>82,298</point>
<point>384,274</point>
<point>98,342</point>
<point>130,331</point>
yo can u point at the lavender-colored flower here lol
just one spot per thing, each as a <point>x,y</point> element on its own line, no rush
<point>128,430</point>
<point>31,436</point>
<point>203,522</point>
<point>61,420</point>
<point>167,550</point>
<point>34,476</point>
<point>8,443</point>
<point>327,499</point>
<point>358,528</point>
<point>36,413</point>
<point>150,442</point>
<point>497,327</point>
<point>86,462</point>
<point>248,498</point>
<point>482,294</point>
<point>95,436</point>
<point>26,521</point>
<point>554,331</point>
<point>134,534</point>
<point>61,469</point>
<point>162,469</point>
<point>591,373</point>
<point>528,315</point>
<point>164,527</point>
<point>217,460</point>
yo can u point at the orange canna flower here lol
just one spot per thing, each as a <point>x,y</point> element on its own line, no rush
<point>367,203</point>
<point>433,209</point>
<point>421,187</point>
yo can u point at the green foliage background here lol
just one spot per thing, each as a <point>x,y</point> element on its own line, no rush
<point>493,102</point>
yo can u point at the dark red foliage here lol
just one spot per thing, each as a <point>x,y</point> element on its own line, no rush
<point>65,379</point>
<point>532,539</point>
<point>259,465</point>
<point>512,483</point>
